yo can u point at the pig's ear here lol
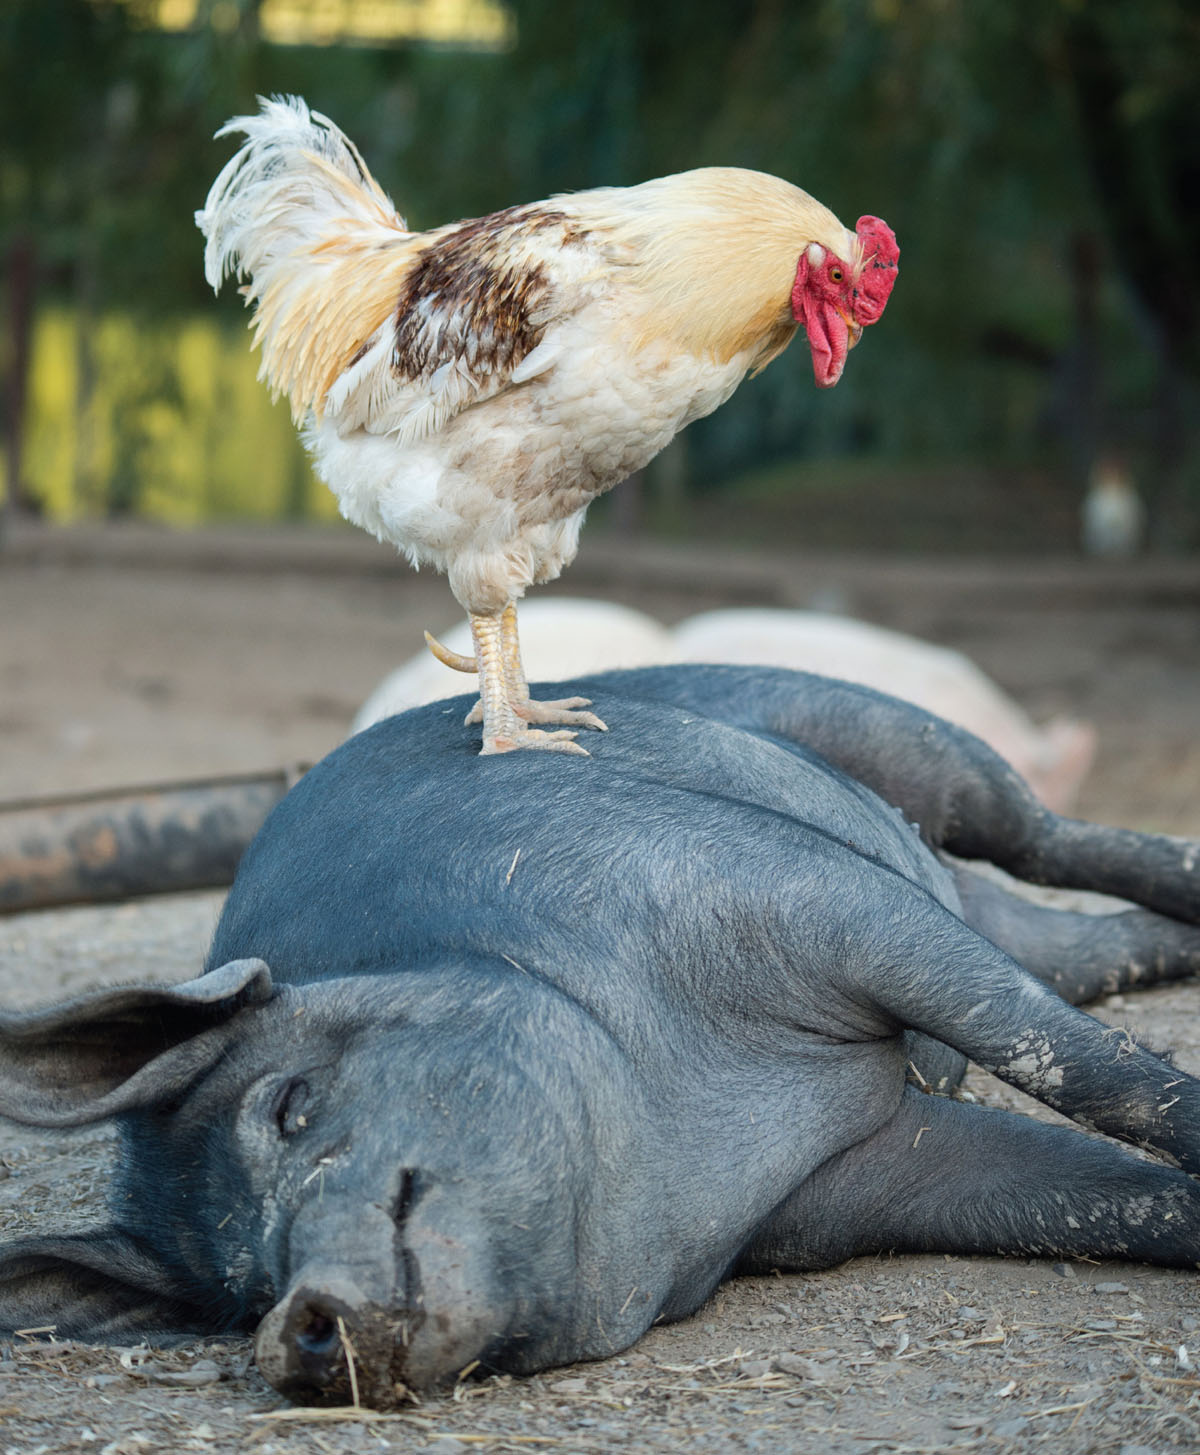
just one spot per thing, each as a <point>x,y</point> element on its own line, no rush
<point>95,1286</point>
<point>118,1049</point>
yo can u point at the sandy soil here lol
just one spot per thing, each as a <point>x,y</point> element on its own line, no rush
<point>130,658</point>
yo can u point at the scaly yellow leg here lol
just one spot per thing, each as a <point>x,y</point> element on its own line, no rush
<point>565,710</point>
<point>504,729</point>
<point>505,707</point>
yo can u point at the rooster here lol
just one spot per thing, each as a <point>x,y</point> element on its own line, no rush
<point>466,392</point>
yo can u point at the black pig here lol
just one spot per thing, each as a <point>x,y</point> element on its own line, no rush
<point>548,1048</point>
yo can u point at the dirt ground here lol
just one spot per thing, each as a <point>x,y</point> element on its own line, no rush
<point>130,657</point>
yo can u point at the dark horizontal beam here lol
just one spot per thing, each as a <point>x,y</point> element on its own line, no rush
<point>131,842</point>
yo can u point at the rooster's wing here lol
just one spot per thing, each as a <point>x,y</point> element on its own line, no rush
<point>482,308</point>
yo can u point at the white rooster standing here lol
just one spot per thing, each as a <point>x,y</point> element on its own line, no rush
<point>466,392</point>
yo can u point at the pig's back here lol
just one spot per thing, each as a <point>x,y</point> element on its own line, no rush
<point>405,846</point>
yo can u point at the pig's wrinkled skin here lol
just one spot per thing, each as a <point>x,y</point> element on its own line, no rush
<point>547,1048</point>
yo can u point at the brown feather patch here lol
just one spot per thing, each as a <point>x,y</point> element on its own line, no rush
<point>475,294</point>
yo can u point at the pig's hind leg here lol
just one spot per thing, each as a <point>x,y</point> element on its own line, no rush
<point>946,1177</point>
<point>963,796</point>
<point>970,802</point>
<point>1082,956</point>
<point>921,968</point>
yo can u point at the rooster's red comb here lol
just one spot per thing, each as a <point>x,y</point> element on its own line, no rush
<point>879,268</point>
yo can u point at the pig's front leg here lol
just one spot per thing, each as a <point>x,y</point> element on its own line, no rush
<point>947,1177</point>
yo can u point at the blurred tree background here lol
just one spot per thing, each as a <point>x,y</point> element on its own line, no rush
<point>1038,160</point>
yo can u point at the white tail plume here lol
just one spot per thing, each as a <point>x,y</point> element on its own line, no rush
<point>297,213</point>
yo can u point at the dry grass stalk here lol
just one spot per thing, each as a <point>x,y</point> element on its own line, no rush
<point>348,1351</point>
<point>332,1413</point>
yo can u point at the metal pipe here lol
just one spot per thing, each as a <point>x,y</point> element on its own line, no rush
<point>131,842</point>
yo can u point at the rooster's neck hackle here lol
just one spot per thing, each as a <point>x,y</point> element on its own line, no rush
<point>715,251</point>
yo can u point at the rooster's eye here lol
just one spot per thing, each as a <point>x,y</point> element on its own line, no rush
<point>836,274</point>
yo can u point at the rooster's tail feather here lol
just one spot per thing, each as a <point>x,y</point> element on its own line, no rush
<point>297,213</point>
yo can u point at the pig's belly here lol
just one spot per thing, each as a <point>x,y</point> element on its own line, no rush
<point>737,1144</point>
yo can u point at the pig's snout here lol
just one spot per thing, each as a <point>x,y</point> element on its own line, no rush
<point>328,1342</point>
<point>312,1326</point>
<point>391,1304</point>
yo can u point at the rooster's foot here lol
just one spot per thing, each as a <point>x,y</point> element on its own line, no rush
<point>505,707</point>
<point>564,711</point>
<point>559,742</point>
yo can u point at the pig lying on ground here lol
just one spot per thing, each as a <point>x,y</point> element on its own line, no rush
<point>547,1048</point>
<point>566,634</point>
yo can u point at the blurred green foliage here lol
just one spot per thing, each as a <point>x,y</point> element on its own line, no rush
<point>1037,159</point>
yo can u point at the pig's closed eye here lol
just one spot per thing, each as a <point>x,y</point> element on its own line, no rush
<point>288,1107</point>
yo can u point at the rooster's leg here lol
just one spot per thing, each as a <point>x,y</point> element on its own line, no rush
<point>504,730</point>
<point>565,710</point>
